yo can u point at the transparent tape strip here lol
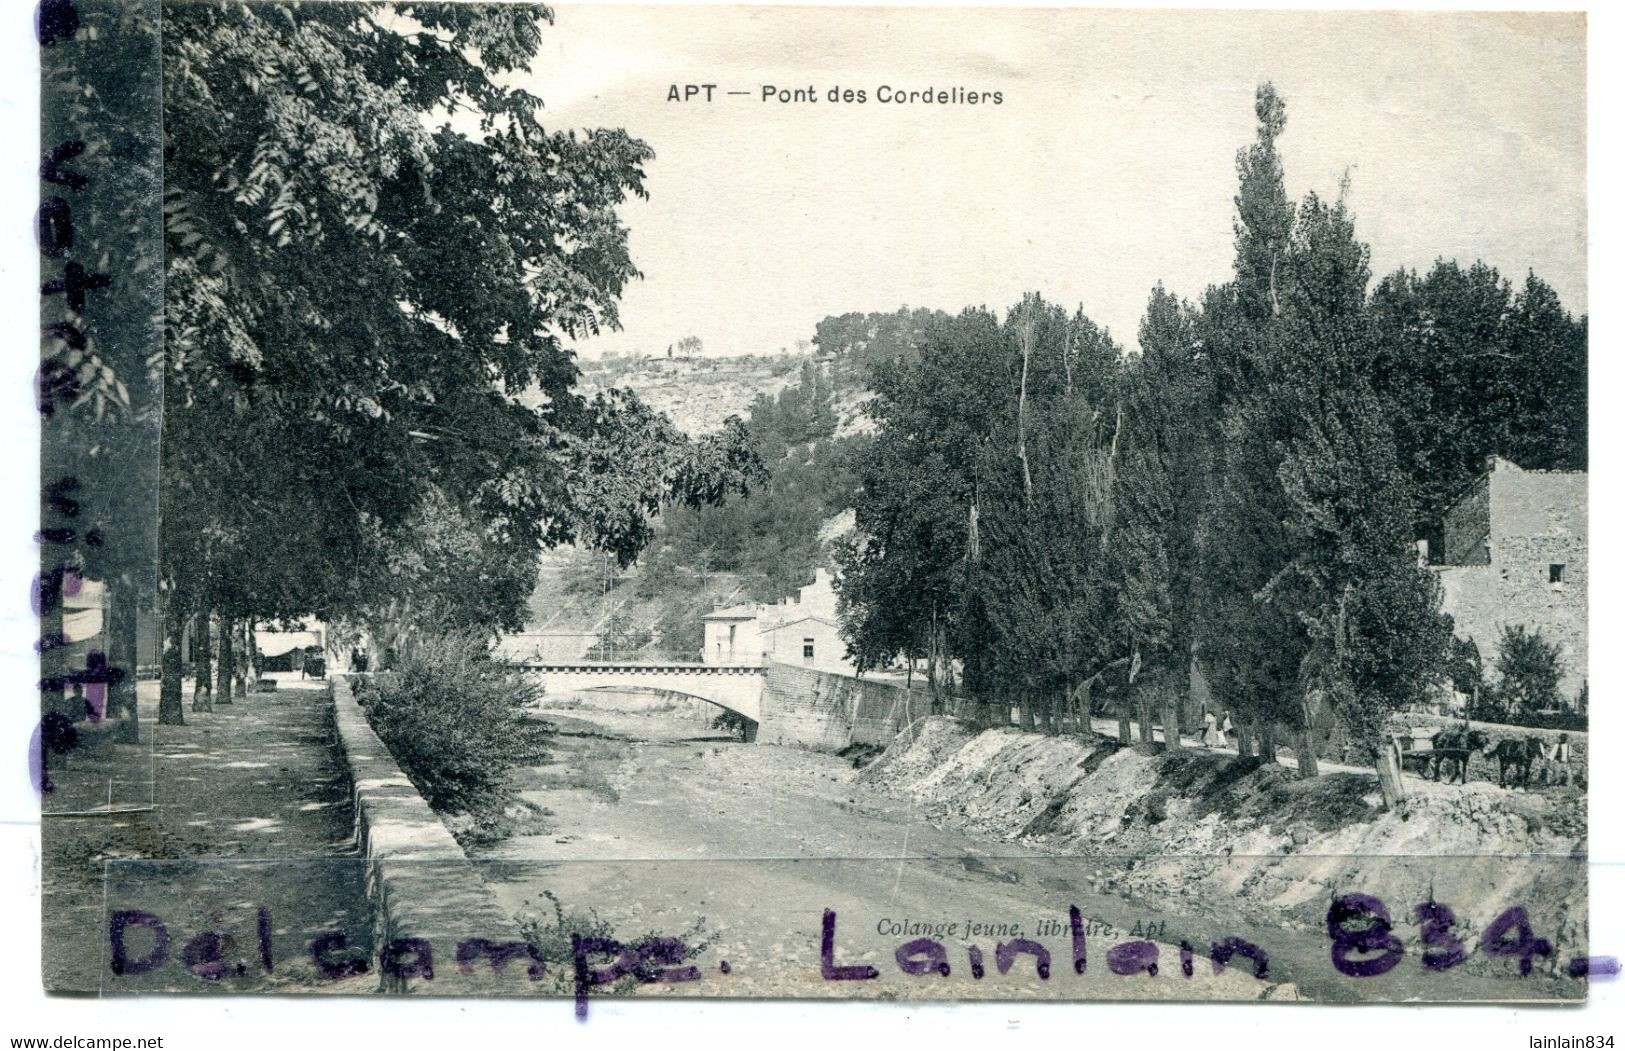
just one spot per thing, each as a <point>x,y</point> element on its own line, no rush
<point>100,394</point>
<point>1381,929</point>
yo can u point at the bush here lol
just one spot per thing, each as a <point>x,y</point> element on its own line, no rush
<point>452,718</point>
<point>732,722</point>
<point>548,929</point>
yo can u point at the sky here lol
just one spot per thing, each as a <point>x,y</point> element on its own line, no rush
<point>1109,166</point>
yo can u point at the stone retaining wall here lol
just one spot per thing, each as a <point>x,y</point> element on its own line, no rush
<point>830,711</point>
<point>421,884</point>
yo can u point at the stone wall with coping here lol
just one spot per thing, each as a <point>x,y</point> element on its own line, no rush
<point>420,883</point>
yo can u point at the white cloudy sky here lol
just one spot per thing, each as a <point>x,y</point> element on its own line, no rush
<point>1109,166</point>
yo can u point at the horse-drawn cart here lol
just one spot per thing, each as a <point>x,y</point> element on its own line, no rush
<point>1427,750</point>
<point>1415,748</point>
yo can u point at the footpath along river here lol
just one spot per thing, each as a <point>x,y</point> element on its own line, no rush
<point>661,825</point>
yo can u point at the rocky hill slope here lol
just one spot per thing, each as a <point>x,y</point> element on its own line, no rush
<point>697,393</point>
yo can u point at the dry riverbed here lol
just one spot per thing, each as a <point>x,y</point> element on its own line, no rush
<point>661,825</point>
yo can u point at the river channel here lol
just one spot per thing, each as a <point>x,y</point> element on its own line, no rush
<point>659,824</point>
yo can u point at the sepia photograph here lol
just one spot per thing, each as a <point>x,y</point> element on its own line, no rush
<point>856,503</point>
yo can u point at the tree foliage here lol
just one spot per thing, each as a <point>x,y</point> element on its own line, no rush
<point>374,245</point>
<point>1527,670</point>
<point>1038,509</point>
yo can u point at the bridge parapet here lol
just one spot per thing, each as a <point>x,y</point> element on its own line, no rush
<point>669,667</point>
<point>736,687</point>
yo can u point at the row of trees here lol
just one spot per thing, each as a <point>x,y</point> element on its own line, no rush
<point>1054,516</point>
<point>373,246</point>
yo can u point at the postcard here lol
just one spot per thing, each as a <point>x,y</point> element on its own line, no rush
<point>920,504</point>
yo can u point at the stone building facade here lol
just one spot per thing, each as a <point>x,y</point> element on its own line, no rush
<point>1514,552</point>
<point>802,629</point>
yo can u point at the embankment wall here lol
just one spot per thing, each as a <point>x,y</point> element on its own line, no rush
<point>420,883</point>
<point>829,711</point>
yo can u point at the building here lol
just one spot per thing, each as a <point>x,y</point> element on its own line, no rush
<point>1514,552</point>
<point>733,635</point>
<point>800,630</point>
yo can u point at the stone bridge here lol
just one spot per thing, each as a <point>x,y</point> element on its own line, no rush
<point>736,687</point>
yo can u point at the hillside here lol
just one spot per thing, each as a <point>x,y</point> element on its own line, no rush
<point>805,411</point>
<point>697,393</point>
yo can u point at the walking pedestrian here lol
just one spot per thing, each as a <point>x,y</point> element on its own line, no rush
<point>1225,727</point>
<point>1210,730</point>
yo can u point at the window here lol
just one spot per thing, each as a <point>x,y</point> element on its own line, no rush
<point>1554,573</point>
<point>806,649</point>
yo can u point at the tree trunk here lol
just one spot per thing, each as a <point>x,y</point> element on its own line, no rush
<point>1021,404</point>
<point>122,656</point>
<point>1024,705</point>
<point>1148,731</point>
<point>1125,725</point>
<point>1388,778</point>
<point>1308,763</point>
<point>203,669</point>
<point>223,671</point>
<point>931,661</point>
<point>1266,741</point>
<point>170,709</point>
<point>241,668</point>
<point>251,675</point>
<point>1244,738</point>
<point>1170,719</point>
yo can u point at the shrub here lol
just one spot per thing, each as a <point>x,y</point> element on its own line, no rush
<point>453,719</point>
<point>548,929</point>
<point>732,722</point>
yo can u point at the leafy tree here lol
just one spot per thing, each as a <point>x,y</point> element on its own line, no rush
<point>1472,370</point>
<point>1251,650</point>
<point>801,413</point>
<point>99,387</point>
<point>1527,668</point>
<point>986,507</point>
<point>1465,667</point>
<point>1312,584</point>
<point>356,294</point>
<point>1040,578</point>
<point>858,342</point>
<point>917,505</point>
<point>1161,485</point>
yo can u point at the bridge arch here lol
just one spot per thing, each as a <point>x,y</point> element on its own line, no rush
<point>738,688</point>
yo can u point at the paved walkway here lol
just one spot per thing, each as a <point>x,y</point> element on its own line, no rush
<point>249,809</point>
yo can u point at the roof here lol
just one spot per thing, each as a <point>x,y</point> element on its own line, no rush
<point>733,613</point>
<point>798,620</point>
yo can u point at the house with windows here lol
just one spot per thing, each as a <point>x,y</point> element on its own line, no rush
<point>1514,551</point>
<point>801,629</point>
